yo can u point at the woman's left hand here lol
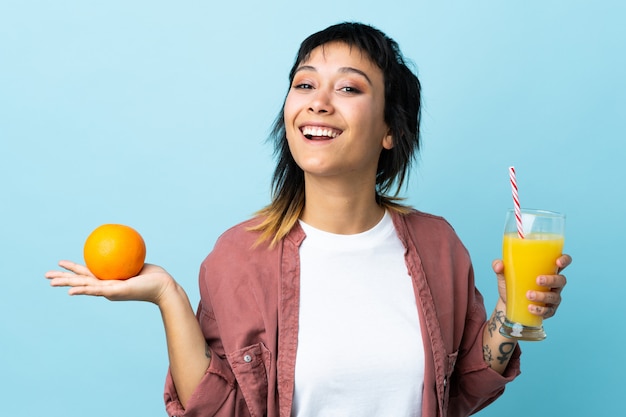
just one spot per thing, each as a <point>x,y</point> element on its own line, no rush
<point>550,298</point>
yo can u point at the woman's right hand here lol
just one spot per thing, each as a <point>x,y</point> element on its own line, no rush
<point>150,285</point>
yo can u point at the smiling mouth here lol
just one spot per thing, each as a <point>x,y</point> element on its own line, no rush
<point>319,133</point>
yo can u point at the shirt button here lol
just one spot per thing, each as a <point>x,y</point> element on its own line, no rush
<point>247,358</point>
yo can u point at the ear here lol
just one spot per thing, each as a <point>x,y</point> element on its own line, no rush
<point>388,141</point>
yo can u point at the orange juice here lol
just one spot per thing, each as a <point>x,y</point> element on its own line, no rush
<point>524,260</point>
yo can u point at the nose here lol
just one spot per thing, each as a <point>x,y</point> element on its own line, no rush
<point>321,102</point>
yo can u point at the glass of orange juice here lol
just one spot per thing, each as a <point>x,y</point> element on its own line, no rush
<point>526,255</point>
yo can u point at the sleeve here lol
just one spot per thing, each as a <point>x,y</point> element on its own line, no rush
<point>216,395</point>
<point>473,384</point>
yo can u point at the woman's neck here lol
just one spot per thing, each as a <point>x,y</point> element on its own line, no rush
<point>341,209</point>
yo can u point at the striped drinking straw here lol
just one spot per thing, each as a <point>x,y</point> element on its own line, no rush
<point>518,211</point>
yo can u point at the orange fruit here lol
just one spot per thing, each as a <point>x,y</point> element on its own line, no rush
<point>114,251</point>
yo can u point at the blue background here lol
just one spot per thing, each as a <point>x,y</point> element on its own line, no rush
<point>154,114</point>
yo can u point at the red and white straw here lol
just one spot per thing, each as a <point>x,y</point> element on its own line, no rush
<point>518,210</point>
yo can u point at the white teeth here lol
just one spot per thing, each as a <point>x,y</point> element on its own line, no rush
<point>318,131</point>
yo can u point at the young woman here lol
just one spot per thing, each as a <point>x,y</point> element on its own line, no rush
<point>336,299</point>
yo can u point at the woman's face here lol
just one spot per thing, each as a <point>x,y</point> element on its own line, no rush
<point>334,114</point>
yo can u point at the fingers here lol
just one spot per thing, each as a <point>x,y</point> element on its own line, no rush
<point>78,278</point>
<point>553,282</point>
<point>97,289</point>
<point>563,262</point>
<point>548,301</point>
<point>73,273</point>
<point>498,266</point>
<point>75,268</point>
<point>83,285</point>
<point>70,279</point>
<point>546,311</point>
<point>544,297</point>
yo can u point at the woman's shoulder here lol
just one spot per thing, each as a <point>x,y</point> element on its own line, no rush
<point>419,219</point>
<point>427,229</point>
<point>238,249</point>
<point>240,236</point>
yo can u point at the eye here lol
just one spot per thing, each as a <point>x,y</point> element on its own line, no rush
<point>350,90</point>
<point>302,86</point>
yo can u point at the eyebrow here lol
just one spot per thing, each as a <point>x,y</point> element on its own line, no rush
<point>345,70</point>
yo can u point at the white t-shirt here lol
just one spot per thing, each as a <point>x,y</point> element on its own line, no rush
<point>360,349</point>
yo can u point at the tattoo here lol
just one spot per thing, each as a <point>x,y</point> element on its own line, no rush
<point>487,354</point>
<point>497,319</point>
<point>500,316</point>
<point>492,326</point>
<point>505,349</point>
<point>207,351</point>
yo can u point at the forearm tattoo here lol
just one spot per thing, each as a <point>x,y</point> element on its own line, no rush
<point>505,349</point>
<point>496,321</point>
<point>487,354</point>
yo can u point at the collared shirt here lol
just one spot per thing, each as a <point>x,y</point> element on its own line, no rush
<point>249,315</point>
